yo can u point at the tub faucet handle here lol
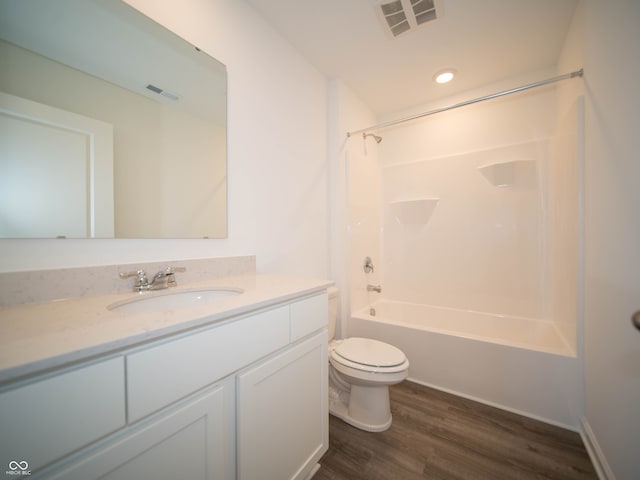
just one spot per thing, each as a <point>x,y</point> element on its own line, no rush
<point>368,265</point>
<point>374,288</point>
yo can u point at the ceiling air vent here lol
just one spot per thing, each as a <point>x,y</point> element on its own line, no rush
<point>395,17</point>
<point>400,16</point>
<point>160,91</point>
<point>424,10</point>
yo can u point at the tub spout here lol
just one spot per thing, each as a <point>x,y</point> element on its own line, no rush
<point>374,288</point>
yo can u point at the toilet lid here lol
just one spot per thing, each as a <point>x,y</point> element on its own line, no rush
<point>366,351</point>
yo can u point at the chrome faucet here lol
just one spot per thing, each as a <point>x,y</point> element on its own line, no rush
<point>374,288</point>
<point>163,279</point>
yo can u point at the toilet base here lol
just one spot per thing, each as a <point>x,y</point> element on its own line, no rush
<point>366,408</point>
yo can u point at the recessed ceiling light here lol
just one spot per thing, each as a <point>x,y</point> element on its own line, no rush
<point>444,76</point>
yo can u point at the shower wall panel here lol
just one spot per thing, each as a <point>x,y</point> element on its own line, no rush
<point>365,200</point>
<point>565,193</point>
<point>485,247</point>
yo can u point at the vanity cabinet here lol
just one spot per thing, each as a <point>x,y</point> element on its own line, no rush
<point>282,411</point>
<point>243,398</point>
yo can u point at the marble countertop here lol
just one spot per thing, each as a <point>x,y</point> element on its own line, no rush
<point>41,336</point>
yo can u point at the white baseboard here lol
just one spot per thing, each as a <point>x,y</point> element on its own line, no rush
<point>595,452</point>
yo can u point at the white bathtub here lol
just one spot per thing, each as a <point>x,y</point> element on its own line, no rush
<point>506,330</point>
<point>514,363</point>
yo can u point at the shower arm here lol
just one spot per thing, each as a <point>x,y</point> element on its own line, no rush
<point>577,73</point>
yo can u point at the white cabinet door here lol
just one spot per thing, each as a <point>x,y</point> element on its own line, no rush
<point>195,440</point>
<point>282,415</point>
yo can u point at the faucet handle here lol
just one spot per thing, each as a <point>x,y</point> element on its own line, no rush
<point>142,282</point>
<point>170,270</point>
<point>141,274</point>
<point>171,278</point>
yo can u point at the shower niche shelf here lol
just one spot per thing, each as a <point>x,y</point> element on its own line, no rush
<point>520,173</point>
<point>414,212</point>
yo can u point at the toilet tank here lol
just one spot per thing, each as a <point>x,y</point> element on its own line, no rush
<point>332,292</point>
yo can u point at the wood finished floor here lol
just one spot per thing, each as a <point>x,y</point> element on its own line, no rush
<point>436,435</point>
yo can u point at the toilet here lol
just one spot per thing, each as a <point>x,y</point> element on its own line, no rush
<point>360,372</point>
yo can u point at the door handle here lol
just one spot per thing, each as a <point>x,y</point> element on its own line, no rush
<point>635,319</point>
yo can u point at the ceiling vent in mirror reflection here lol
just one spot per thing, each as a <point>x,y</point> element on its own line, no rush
<point>414,212</point>
<point>160,91</point>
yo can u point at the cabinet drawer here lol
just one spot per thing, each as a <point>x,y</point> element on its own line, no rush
<point>309,315</point>
<point>47,419</point>
<point>161,375</point>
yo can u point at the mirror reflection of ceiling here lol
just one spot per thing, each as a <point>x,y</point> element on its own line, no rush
<point>97,38</point>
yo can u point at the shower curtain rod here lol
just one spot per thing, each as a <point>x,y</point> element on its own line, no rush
<point>577,73</point>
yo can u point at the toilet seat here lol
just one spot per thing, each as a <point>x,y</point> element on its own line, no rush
<point>369,355</point>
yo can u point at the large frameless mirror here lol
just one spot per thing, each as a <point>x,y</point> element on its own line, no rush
<point>110,125</point>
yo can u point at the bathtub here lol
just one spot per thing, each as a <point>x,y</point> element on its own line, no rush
<point>513,363</point>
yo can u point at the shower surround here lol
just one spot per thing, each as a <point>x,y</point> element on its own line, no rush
<point>484,246</point>
<point>472,220</point>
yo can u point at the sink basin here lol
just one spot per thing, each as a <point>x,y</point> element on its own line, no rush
<point>157,302</point>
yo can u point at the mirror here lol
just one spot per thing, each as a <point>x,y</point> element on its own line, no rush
<point>110,125</point>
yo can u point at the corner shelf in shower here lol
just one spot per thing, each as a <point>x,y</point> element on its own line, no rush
<point>510,173</point>
<point>414,212</point>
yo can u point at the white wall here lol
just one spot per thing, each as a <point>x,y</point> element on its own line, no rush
<point>612,233</point>
<point>276,145</point>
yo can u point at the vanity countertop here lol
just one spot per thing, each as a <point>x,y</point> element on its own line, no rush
<point>40,336</point>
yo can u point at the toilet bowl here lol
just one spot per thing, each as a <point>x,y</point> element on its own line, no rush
<point>360,372</point>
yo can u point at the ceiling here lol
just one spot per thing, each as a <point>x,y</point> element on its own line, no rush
<point>485,41</point>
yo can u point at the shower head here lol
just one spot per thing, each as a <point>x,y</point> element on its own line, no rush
<point>376,137</point>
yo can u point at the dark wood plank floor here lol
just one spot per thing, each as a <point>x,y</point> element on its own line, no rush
<point>436,435</point>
